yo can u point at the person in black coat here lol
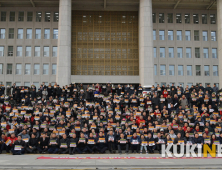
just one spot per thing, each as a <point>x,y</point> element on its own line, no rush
<point>122,144</point>
<point>101,143</point>
<point>33,93</point>
<point>110,139</point>
<point>73,144</point>
<point>18,148</point>
<point>64,145</point>
<point>43,144</point>
<point>32,144</point>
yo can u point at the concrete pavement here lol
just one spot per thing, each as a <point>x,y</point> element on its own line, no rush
<point>29,161</point>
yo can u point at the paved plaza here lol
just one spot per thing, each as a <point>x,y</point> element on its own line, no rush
<point>32,162</point>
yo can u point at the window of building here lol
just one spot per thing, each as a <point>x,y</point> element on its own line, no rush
<point>213,36</point>
<point>170,17</point>
<point>47,16</point>
<point>1,68</point>
<point>204,33</point>
<point>154,52</point>
<point>187,18</point>
<point>29,33</point>
<point>162,52</point>
<point>28,51</point>
<point>38,16</point>
<point>189,84</point>
<point>18,69</point>
<point>3,16</point>
<point>214,52</point>
<point>198,70</point>
<point>171,70</point>
<point>29,16</point>
<point>179,52</point>
<point>56,17</point>
<point>154,17</point>
<point>161,17</point>
<point>188,52</point>
<point>27,84</point>
<point>180,83</point>
<point>12,16</point>
<point>27,69</point>
<point>163,83</point>
<point>21,16</point>
<point>54,66</point>
<point>155,69</point>
<point>180,70</point>
<point>38,33</point>
<point>189,70</point>
<point>154,34</point>
<point>11,33</point>
<point>36,84</point>
<point>9,68</point>
<point>206,52</point>
<point>187,35</point>
<point>170,34</point>
<point>215,70</point>
<point>37,51</point>
<point>45,69</point>
<point>47,33</point>
<point>2,33</point>
<point>195,18</point>
<point>171,52</point>
<point>18,83</point>
<point>197,52</point>
<point>46,51</point>
<point>2,49</point>
<point>213,18</point>
<point>10,51</point>
<point>178,18</point>
<point>36,69</point>
<point>20,33</point>
<point>55,33</point>
<point>207,70</point>
<point>54,51</point>
<point>179,35</point>
<point>161,34</point>
<point>196,35</point>
<point>162,70</point>
<point>19,51</point>
<point>204,18</point>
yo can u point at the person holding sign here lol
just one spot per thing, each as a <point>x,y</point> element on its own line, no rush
<point>198,141</point>
<point>91,144</point>
<point>82,144</point>
<point>53,144</point>
<point>18,147</point>
<point>151,143</point>
<point>73,144</point>
<point>64,145</point>
<point>135,143</point>
<point>143,144</point>
<point>122,144</point>
<point>101,143</point>
<point>111,139</point>
<point>179,141</point>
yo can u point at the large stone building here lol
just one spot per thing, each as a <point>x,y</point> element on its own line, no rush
<point>118,41</point>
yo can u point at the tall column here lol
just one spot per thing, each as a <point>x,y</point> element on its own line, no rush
<point>63,75</point>
<point>146,62</point>
<point>219,27</point>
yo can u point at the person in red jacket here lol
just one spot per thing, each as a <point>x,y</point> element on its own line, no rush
<point>140,120</point>
<point>165,93</point>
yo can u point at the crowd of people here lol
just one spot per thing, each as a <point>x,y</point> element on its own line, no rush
<point>94,118</point>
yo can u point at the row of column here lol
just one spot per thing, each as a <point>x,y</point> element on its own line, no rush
<point>146,62</point>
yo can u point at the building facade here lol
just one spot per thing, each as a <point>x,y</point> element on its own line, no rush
<point>125,41</point>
